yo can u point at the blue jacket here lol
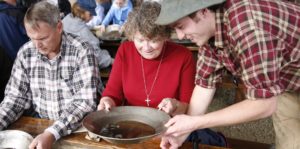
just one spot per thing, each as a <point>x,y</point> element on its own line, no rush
<point>117,15</point>
<point>97,19</point>
<point>12,31</point>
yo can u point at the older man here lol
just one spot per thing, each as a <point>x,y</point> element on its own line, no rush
<point>256,40</point>
<point>55,74</point>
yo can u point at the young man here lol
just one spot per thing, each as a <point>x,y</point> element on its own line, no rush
<point>256,40</point>
<point>55,74</point>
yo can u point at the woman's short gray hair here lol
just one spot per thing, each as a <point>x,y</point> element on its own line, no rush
<point>142,20</point>
<point>42,11</point>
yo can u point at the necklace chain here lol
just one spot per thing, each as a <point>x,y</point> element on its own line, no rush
<point>155,78</point>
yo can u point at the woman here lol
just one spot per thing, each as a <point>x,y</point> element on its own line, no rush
<point>75,23</point>
<point>149,70</point>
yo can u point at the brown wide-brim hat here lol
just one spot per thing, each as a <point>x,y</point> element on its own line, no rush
<point>173,10</point>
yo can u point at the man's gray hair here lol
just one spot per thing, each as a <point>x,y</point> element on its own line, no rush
<point>42,11</point>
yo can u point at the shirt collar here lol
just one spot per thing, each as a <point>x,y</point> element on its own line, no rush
<point>63,45</point>
<point>220,34</point>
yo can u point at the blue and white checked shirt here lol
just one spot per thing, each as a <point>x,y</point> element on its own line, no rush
<point>63,89</point>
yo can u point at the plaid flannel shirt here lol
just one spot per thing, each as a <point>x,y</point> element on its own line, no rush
<point>63,89</point>
<point>257,40</point>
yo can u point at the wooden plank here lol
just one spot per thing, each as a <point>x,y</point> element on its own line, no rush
<point>243,144</point>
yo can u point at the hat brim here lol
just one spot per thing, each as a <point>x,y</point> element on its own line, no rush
<point>173,10</point>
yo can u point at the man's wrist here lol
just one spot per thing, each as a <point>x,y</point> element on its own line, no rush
<point>53,133</point>
<point>50,136</point>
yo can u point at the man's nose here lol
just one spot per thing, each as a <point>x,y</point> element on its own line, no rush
<point>38,44</point>
<point>180,34</point>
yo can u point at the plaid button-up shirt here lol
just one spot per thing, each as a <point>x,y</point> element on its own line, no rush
<point>257,40</point>
<point>63,89</point>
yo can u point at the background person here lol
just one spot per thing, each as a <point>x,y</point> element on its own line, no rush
<point>257,41</point>
<point>63,5</point>
<point>75,23</point>
<point>100,13</point>
<point>117,14</point>
<point>13,36</point>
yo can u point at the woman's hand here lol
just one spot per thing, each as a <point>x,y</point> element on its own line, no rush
<point>172,106</point>
<point>106,103</point>
<point>169,105</point>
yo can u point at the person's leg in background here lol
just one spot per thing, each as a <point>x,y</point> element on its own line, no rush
<point>5,70</point>
<point>286,121</point>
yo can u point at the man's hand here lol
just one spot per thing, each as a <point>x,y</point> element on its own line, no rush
<point>42,141</point>
<point>181,124</point>
<point>171,142</point>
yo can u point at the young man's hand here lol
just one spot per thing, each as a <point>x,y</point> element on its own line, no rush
<point>181,124</point>
<point>43,141</point>
<point>172,142</point>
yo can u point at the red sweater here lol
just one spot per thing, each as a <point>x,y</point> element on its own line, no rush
<point>175,78</point>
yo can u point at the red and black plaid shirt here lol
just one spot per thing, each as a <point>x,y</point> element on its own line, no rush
<point>257,40</point>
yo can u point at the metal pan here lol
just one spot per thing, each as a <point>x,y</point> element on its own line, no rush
<point>14,139</point>
<point>95,121</point>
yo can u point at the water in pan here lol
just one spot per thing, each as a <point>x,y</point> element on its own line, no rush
<point>127,130</point>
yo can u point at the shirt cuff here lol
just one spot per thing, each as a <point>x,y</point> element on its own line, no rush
<point>205,83</point>
<point>54,132</point>
<point>262,93</point>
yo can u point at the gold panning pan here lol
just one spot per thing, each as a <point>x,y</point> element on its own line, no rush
<point>126,124</point>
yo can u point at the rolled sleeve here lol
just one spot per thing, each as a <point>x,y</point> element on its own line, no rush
<point>209,68</point>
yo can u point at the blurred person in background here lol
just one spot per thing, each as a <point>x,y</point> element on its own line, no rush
<point>13,36</point>
<point>100,13</point>
<point>25,4</point>
<point>117,14</point>
<point>63,5</point>
<point>75,23</point>
<point>106,4</point>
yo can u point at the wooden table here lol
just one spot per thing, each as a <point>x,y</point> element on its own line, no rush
<point>77,141</point>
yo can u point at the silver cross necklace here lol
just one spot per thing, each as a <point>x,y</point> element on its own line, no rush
<point>155,78</point>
